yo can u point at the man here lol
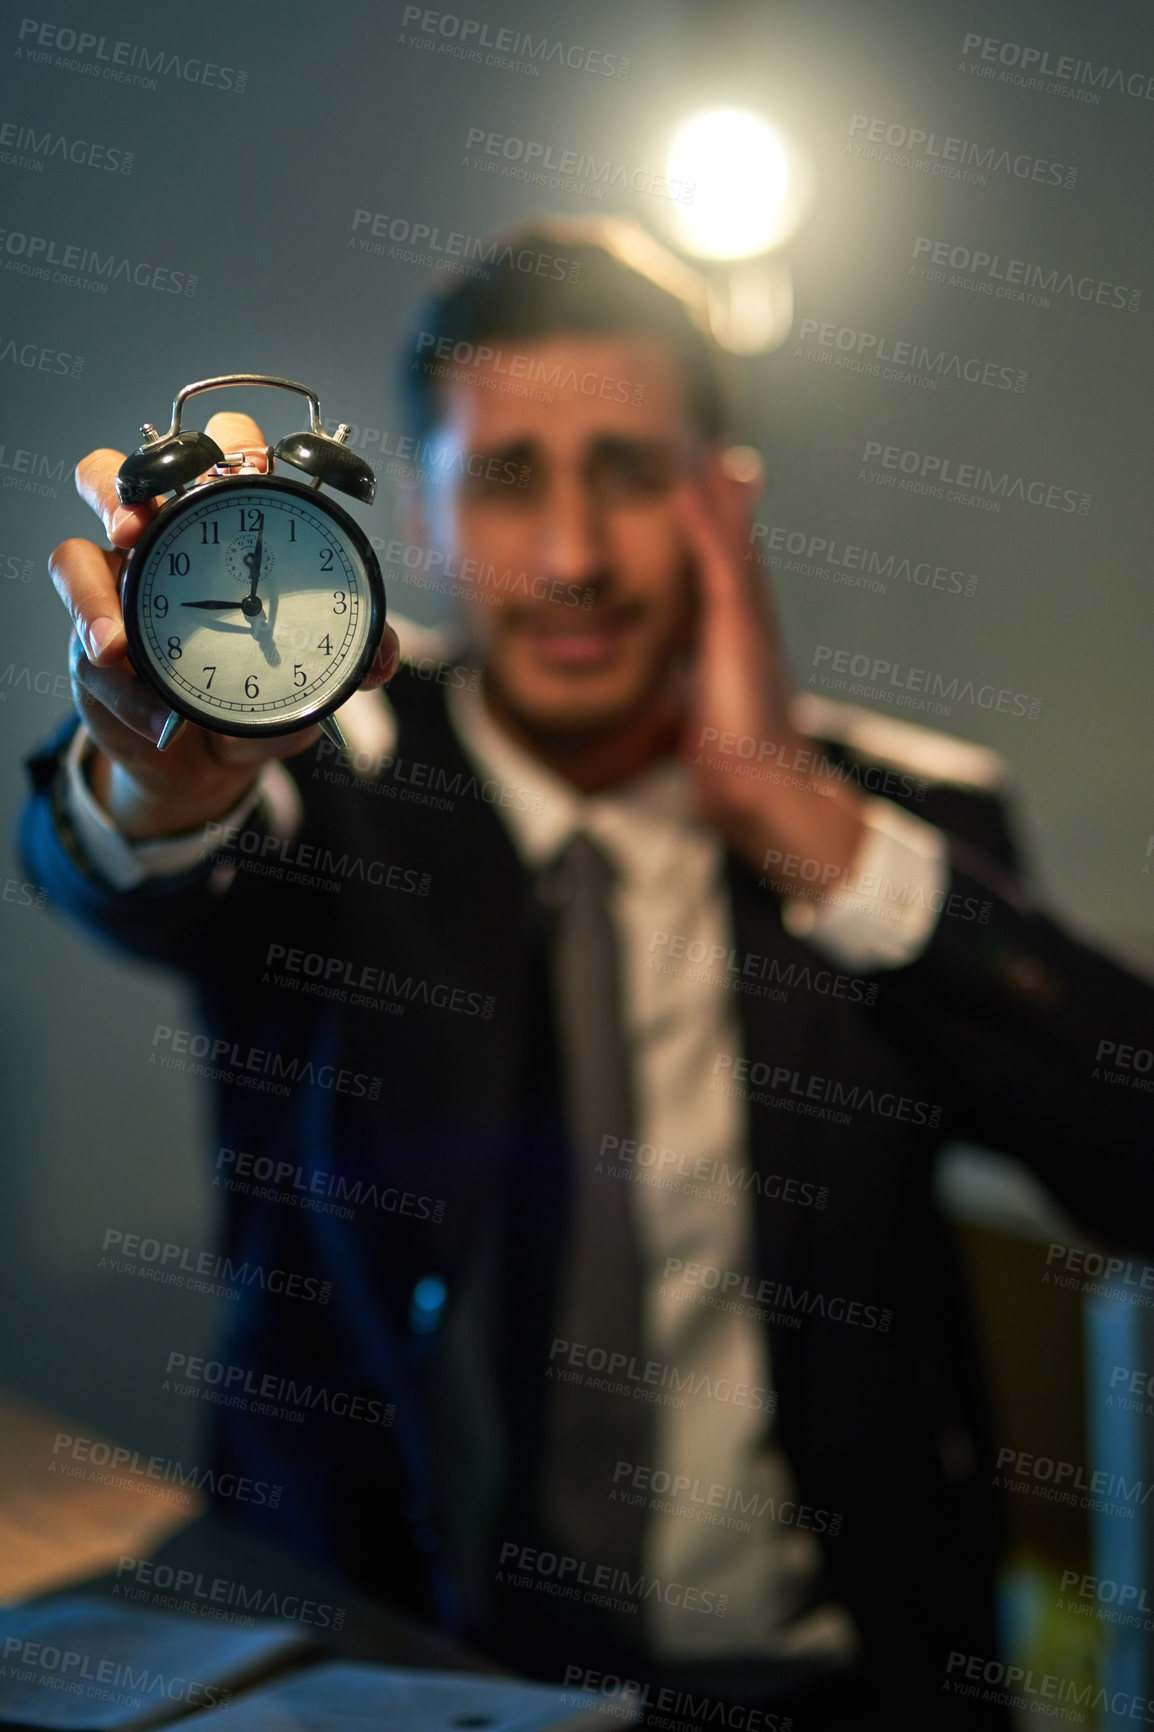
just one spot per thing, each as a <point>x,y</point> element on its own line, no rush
<point>646,1090</point>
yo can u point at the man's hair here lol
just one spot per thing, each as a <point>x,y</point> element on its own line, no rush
<point>567,276</point>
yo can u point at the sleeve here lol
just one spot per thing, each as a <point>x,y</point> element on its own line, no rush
<point>1038,1040</point>
<point>178,914</point>
<point>124,865</point>
<point>885,911</point>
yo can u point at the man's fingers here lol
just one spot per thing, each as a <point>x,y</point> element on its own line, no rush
<point>738,606</point>
<point>384,664</point>
<point>742,465</point>
<point>710,544</point>
<point>235,432</point>
<point>85,580</point>
<point>714,511</point>
<point>96,480</point>
<point>733,481</point>
<point>233,750</point>
<point>117,690</point>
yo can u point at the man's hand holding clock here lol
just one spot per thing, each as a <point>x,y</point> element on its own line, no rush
<point>203,773</point>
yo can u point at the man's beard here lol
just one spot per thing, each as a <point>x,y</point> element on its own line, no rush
<point>560,731</point>
<point>665,688</point>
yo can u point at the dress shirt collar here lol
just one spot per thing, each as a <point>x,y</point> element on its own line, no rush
<point>646,824</point>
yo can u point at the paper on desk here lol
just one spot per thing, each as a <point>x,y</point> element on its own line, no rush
<point>88,1664</point>
<point>350,1698</point>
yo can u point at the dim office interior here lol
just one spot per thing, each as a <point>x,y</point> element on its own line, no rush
<point>864,1064</point>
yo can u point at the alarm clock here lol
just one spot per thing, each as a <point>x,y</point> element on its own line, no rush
<point>253,603</point>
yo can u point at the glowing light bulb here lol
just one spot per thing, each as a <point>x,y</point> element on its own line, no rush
<point>736,191</point>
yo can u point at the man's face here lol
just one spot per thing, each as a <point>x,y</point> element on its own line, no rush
<point>581,595</point>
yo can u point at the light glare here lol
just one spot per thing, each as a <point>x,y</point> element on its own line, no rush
<point>739,174</point>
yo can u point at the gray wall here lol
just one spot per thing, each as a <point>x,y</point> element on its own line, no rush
<point>253,192</point>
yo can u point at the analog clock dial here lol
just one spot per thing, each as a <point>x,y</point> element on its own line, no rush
<point>253,606</point>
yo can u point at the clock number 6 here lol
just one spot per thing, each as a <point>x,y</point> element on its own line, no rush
<point>251,689</point>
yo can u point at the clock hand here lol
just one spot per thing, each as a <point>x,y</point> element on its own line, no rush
<point>252,559</point>
<point>212,604</point>
<point>264,631</point>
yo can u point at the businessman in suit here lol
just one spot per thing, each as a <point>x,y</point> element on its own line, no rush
<point>626,1066</point>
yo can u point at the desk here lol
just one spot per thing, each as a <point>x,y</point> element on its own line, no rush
<point>211,1550</point>
<point>65,1525</point>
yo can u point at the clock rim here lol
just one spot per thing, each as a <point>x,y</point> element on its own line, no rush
<point>138,557</point>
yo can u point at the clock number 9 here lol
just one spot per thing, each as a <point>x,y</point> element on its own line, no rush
<point>160,606</point>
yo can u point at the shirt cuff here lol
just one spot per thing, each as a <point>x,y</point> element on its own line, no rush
<point>885,910</point>
<point>123,865</point>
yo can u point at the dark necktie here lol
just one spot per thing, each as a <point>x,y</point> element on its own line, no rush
<point>589,1427</point>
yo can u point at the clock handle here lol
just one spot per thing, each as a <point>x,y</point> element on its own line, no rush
<point>271,379</point>
<point>170,460</point>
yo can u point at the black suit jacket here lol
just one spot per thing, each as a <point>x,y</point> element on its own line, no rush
<point>451,1107</point>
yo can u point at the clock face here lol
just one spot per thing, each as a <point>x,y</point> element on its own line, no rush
<point>251,607</point>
